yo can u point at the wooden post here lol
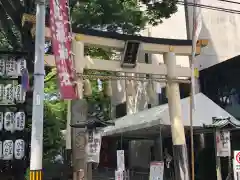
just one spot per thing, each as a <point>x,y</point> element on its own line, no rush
<point>218,159</point>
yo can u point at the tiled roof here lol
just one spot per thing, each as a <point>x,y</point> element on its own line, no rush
<point>221,122</point>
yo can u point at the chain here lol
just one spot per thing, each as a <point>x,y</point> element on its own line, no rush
<point>116,77</point>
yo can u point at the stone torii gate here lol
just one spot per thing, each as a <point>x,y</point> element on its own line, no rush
<point>170,48</point>
<point>131,45</point>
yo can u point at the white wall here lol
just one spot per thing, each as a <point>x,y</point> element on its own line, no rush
<point>172,28</point>
<point>223,31</point>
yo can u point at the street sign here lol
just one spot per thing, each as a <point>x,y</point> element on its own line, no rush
<point>223,143</point>
<point>236,164</point>
<point>156,170</point>
<point>236,174</point>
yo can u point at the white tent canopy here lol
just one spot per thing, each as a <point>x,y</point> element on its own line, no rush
<point>205,110</point>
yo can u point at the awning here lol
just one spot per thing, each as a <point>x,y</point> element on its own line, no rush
<point>206,109</point>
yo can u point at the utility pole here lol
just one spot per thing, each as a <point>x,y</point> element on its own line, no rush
<point>38,95</point>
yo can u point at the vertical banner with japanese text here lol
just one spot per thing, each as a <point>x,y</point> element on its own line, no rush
<point>93,146</point>
<point>223,143</point>
<point>61,44</point>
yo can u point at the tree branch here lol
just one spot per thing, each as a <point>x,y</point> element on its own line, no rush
<point>8,29</point>
<point>15,14</point>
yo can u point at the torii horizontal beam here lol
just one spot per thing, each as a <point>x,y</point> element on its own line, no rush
<point>148,44</point>
<point>115,40</point>
<point>111,65</point>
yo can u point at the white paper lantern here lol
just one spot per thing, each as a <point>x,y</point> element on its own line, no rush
<point>1,149</point>
<point>19,149</point>
<point>9,121</point>
<point>1,120</point>
<point>2,67</point>
<point>8,150</point>
<point>20,95</point>
<point>21,64</point>
<point>11,67</point>
<point>19,121</point>
<point>8,94</point>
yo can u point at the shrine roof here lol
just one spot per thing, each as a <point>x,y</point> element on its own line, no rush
<point>125,37</point>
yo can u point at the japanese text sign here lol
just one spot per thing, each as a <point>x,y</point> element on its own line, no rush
<point>61,44</point>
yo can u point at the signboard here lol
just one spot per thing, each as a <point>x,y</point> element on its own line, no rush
<point>93,146</point>
<point>120,160</point>
<point>236,161</point>
<point>61,44</point>
<point>119,175</point>
<point>156,170</point>
<point>223,144</point>
<point>236,173</point>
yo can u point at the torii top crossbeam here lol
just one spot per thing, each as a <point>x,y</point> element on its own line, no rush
<point>118,41</point>
<point>148,44</point>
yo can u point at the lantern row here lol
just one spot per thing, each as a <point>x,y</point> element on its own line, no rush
<point>10,121</point>
<point>12,67</point>
<point>10,93</point>
<point>10,150</point>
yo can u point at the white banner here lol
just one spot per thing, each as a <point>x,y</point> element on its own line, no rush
<point>223,143</point>
<point>120,160</point>
<point>93,147</point>
<point>156,170</point>
<point>197,26</point>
